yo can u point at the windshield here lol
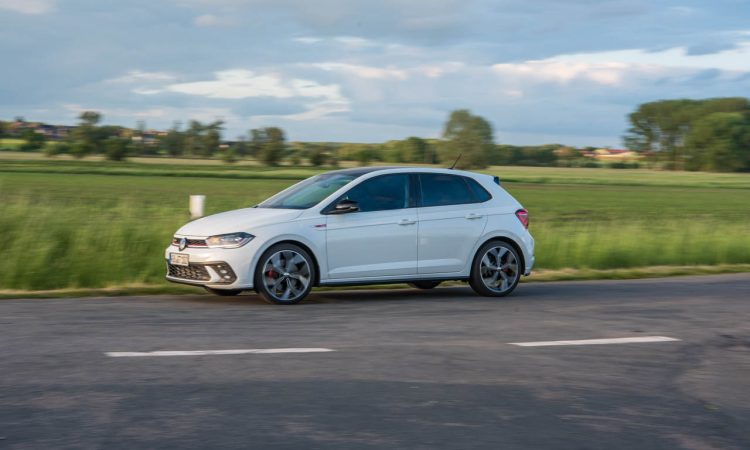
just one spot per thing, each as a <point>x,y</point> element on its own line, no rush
<point>310,192</point>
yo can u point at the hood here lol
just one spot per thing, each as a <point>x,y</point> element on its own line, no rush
<point>238,220</point>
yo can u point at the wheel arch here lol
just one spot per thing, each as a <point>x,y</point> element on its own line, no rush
<point>507,240</point>
<point>298,243</point>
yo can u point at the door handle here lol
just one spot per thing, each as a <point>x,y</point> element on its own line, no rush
<point>407,222</point>
<point>473,216</point>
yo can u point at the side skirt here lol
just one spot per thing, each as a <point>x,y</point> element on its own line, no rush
<point>390,281</point>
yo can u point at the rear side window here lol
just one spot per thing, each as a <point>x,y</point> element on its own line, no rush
<point>480,194</point>
<point>440,189</point>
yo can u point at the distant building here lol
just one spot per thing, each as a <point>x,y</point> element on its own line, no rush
<point>611,154</point>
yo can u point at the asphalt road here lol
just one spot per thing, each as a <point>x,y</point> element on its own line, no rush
<point>409,369</point>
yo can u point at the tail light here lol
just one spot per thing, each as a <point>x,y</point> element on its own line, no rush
<point>523,216</point>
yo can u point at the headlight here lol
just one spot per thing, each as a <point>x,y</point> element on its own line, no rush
<point>231,240</point>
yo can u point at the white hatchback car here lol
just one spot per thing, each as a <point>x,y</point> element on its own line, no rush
<point>361,226</point>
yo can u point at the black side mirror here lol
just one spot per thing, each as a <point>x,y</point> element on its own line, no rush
<point>345,206</point>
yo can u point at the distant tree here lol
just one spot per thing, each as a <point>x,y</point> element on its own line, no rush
<point>414,150</point>
<point>193,142</point>
<point>719,142</point>
<point>367,154</point>
<point>86,138</point>
<point>662,127</point>
<point>318,155</point>
<point>117,148</point>
<point>3,128</point>
<point>469,136</point>
<point>173,143</point>
<point>91,118</point>
<point>34,140</point>
<point>107,131</point>
<point>212,138</point>
<point>258,139</point>
<point>274,146</point>
<point>240,147</point>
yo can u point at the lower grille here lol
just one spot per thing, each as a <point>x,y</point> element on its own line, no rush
<point>192,272</point>
<point>198,272</point>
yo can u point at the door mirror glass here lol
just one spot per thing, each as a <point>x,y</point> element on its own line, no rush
<point>345,206</point>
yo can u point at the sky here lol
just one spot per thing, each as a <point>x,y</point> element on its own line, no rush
<point>540,71</point>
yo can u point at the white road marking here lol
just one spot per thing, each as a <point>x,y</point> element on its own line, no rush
<point>217,352</point>
<point>626,340</point>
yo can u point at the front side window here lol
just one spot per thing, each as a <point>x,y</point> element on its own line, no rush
<point>381,193</point>
<point>440,189</point>
<point>310,192</point>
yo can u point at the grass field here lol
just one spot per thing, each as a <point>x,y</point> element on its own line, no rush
<point>70,225</point>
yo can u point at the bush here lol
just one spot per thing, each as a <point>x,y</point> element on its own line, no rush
<point>228,156</point>
<point>317,156</point>
<point>81,149</point>
<point>116,149</point>
<point>59,148</point>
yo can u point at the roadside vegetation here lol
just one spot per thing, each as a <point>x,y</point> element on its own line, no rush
<point>86,230</point>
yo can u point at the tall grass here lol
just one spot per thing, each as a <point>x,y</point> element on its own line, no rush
<point>618,244</point>
<point>85,231</point>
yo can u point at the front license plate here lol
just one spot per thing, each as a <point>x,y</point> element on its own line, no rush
<point>179,259</point>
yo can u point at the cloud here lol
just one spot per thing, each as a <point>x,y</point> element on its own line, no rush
<point>390,72</point>
<point>564,72</point>
<point>616,67</point>
<point>307,40</point>
<point>28,6</point>
<point>363,71</point>
<point>355,42</point>
<point>210,20</point>
<point>237,84</point>
<point>139,76</point>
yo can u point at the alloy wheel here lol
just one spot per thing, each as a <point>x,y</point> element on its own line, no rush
<point>286,275</point>
<point>499,269</point>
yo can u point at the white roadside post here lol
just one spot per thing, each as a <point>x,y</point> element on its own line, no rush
<point>197,204</point>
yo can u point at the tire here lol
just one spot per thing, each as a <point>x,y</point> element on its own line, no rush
<point>424,284</point>
<point>285,274</point>
<point>224,292</point>
<point>496,269</point>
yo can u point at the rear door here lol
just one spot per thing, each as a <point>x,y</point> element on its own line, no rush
<point>380,239</point>
<point>451,220</point>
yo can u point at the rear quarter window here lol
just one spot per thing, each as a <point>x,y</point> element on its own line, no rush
<point>480,194</point>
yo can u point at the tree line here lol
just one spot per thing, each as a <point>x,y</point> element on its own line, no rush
<point>709,135</point>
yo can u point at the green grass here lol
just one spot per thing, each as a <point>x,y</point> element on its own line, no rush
<point>18,162</point>
<point>66,230</point>
<point>8,143</point>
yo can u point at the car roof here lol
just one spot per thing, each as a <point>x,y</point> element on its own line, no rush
<point>360,171</point>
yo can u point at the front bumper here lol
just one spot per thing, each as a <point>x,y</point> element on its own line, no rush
<point>204,267</point>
